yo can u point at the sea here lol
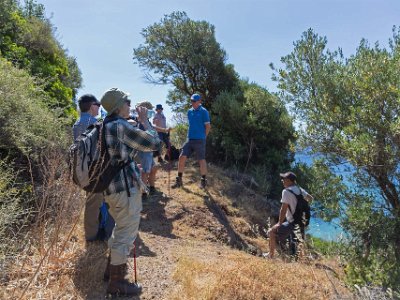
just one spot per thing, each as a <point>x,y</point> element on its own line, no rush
<point>329,231</point>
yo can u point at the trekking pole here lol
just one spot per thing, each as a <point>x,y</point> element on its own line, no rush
<point>169,166</point>
<point>134,260</point>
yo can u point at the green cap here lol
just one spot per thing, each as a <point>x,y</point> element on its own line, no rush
<point>113,99</point>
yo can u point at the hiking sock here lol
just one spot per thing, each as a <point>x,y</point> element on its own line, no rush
<point>203,182</point>
<point>178,182</point>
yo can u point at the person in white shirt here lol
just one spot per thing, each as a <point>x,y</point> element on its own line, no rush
<point>285,226</point>
<point>160,124</point>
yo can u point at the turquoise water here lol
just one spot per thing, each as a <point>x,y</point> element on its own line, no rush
<point>330,231</point>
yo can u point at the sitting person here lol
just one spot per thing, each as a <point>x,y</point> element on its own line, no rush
<point>285,226</point>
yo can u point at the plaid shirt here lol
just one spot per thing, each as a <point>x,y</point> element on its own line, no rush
<point>82,124</point>
<point>123,140</point>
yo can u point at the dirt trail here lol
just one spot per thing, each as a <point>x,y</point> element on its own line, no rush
<point>186,250</point>
<point>164,237</point>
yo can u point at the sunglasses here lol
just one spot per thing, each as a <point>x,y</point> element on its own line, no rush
<point>128,102</point>
<point>97,104</point>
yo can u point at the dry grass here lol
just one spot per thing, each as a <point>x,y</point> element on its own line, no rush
<point>46,264</point>
<point>191,224</point>
<point>234,275</point>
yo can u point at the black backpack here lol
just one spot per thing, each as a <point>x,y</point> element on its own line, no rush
<point>302,213</point>
<point>172,154</point>
<point>90,162</point>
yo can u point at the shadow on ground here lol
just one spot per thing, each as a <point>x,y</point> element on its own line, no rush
<point>234,239</point>
<point>154,219</point>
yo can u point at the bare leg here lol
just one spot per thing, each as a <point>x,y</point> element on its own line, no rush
<point>181,167</point>
<point>203,167</point>
<point>272,242</point>
<point>152,176</point>
<point>181,163</point>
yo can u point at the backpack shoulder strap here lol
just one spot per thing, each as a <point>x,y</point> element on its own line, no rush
<point>297,195</point>
<point>294,195</point>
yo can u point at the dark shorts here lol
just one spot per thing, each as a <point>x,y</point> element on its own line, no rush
<point>198,146</point>
<point>284,231</point>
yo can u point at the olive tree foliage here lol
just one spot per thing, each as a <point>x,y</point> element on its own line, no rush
<point>350,108</point>
<point>184,53</point>
<point>27,39</point>
<point>253,130</point>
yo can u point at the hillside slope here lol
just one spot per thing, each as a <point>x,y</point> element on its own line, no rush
<point>193,244</point>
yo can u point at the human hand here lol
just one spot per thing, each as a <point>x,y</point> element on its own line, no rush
<point>142,113</point>
<point>275,227</point>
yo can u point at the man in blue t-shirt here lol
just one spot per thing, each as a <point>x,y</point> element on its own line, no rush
<point>199,127</point>
<point>89,107</point>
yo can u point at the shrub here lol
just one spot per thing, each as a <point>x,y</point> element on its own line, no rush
<point>29,132</point>
<point>12,212</point>
<point>27,125</point>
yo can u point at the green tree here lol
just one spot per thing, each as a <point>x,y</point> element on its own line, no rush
<point>28,40</point>
<point>253,129</point>
<point>185,53</point>
<point>350,108</point>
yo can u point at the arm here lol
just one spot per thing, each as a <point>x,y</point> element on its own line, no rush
<point>309,198</point>
<point>160,129</point>
<point>282,213</point>
<point>208,128</point>
<point>135,138</point>
<point>306,195</point>
<point>206,120</point>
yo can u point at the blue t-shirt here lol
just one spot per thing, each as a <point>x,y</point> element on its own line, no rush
<point>82,124</point>
<point>197,120</point>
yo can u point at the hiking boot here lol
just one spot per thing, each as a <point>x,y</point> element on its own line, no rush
<point>203,183</point>
<point>178,183</point>
<point>106,275</point>
<point>118,285</point>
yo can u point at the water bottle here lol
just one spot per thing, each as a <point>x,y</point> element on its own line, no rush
<point>133,113</point>
<point>150,114</point>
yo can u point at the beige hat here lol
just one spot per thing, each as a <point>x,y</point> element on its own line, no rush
<point>146,104</point>
<point>113,99</point>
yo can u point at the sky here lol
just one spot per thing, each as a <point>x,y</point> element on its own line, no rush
<point>101,34</point>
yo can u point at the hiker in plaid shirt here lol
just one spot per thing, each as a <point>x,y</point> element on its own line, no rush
<point>124,194</point>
